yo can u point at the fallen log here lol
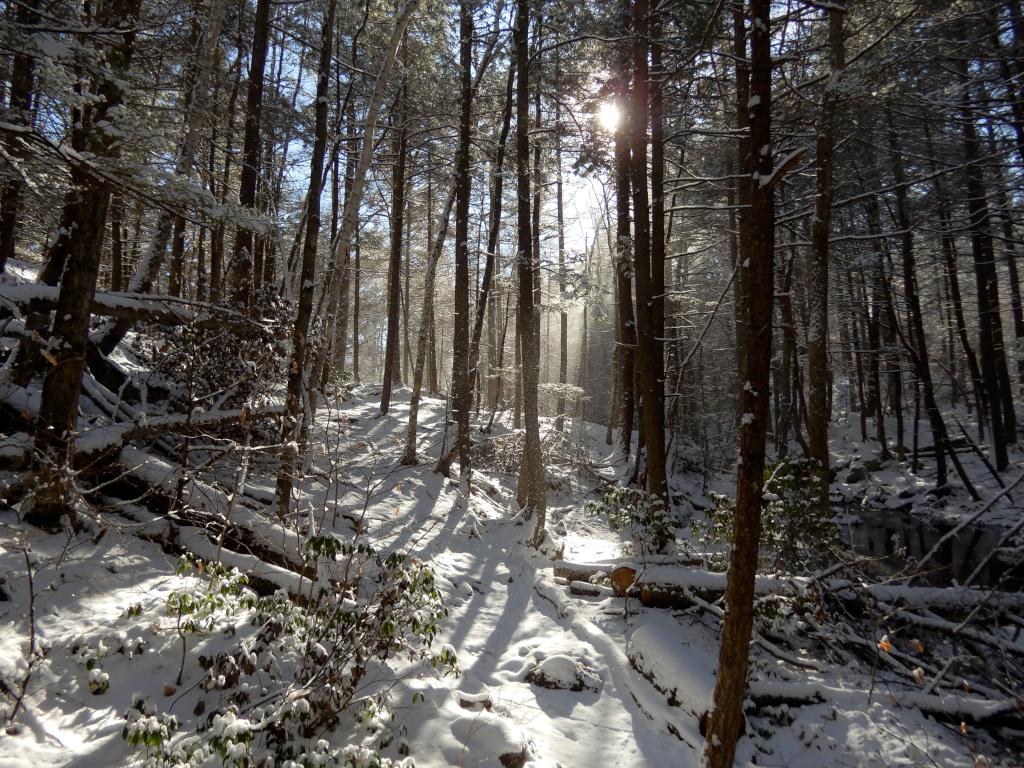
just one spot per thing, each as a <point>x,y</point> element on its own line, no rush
<point>583,571</point>
<point>110,438</point>
<point>265,578</point>
<point>214,508</point>
<point>586,589</point>
<point>94,443</point>
<point>666,586</point>
<point>133,307</point>
<point>973,709</point>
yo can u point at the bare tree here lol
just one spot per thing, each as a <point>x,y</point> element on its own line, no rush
<point>530,493</point>
<point>757,233</point>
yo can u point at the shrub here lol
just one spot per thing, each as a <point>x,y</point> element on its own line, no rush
<point>642,515</point>
<point>797,532</point>
<point>289,679</point>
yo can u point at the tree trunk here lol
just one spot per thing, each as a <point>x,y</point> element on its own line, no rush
<point>956,300</point>
<point>240,268</point>
<point>817,271</point>
<point>392,361</point>
<point>20,114</point>
<point>307,274</point>
<point>493,230</point>
<point>86,204</point>
<point>648,350</point>
<point>462,383</point>
<point>1010,255</point>
<point>993,359</point>
<point>625,322</point>
<point>351,274</point>
<point>531,492</point>
<point>406,277</point>
<point>658,236</point>
<point>425,343</point>
<point>116,243</point>
<point>757,246</point>
<point>918,345</point>
<point>563,318</point>
<point>874,337</point>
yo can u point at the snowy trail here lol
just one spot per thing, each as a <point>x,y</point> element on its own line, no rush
<point>506,615</point>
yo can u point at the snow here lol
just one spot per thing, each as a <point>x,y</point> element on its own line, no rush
<point>647,674</point>
<point>563,672</point>
<point>658,651</point>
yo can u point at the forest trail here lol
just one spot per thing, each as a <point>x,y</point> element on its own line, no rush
<point>505,617</point>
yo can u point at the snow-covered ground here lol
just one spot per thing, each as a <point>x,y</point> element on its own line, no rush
<point>642,676</point>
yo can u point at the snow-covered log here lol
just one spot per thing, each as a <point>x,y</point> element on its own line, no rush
<point>147,308</point>
<point>214,509</point>
<point>92,443</point>
<point>575,571</point>
<point>99,440</point>
<point>969,708</point>
<point>657,652</point>
<point>264,577</point>
<point>666,585</point>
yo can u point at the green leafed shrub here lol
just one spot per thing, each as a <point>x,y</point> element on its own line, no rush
<point>641,515</point>
<point>797,532</point>
<point>300,671</point>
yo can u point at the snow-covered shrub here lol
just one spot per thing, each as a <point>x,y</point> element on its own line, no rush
<point>90,656</point>
<point>199,610</point>
<point>145,727</point>
<point>797,532</point>
<point>302,669</point>
<point>642,515</point>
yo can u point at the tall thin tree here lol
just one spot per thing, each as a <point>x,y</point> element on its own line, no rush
<point>530,493</point>
<point>757,233</point>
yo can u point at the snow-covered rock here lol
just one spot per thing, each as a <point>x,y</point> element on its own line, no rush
<point>565,673</point>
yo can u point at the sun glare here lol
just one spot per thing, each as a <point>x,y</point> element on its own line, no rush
<point>608,115</point>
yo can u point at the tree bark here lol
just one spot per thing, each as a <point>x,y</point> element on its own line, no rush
<point>993,358</point>
<point>648,350</point>
<point>425,343</point>
<point>563,318</point>
<point>86,203</point>
<point>20,114</point>
<point>531,492</point>
<point>658,235</point>
<point>493,230</point>
<point>756,274</point>
<point>116,243</point>
<point>240,268</point>
<point>818,266</point>
<point>625,347</point>
<point>392,361</point>
<point>918,345</point>
<point>297,369</point>
<point>462,383</point>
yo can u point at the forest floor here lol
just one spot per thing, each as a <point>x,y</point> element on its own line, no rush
<point>645,674</point>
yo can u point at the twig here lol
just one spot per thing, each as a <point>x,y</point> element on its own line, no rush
<point>23,687</point>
